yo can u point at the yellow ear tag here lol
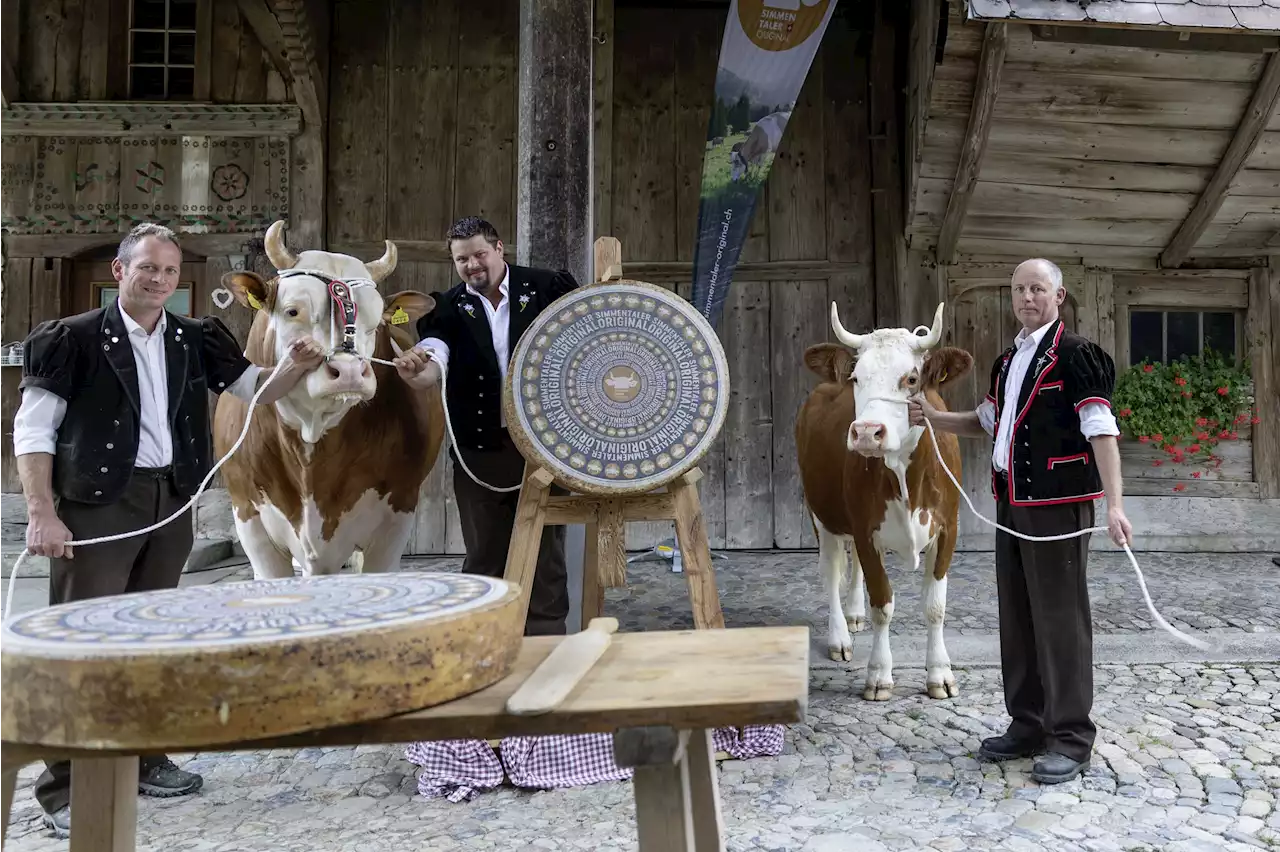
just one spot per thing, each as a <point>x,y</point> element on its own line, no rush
<point>399,317</point>
<point>253,301</point>
<point>944,376</point>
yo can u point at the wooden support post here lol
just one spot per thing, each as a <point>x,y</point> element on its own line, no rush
<point>677,798</point>
<point>553,213</point>
<point>526,532</point>
<point>1262,335</point>
<point>611,546</point>
<point>695,551</point>
<point>10,778</point>
<point>1257,114</point>
<point>592,582</point>
<point>104,798</point>
<point>994,42</point>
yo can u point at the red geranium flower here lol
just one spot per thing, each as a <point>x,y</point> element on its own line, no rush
<point>1125,412</point>
<point>1187,394</point>
<point>1179,381</point>
<point>1144,439</point>
<point>1202,436</point>
<point>1201,421</point>
<point>1223,391</point>
<point>1195,474</point>
<point>1224,434</point>
<point>1157,437</point>
<point>1256,420</point>
<point>1180,487</point>
<point>1147,368</point>
<point>1157,463</point>
<point>1194,448</point>
<point>1235,436</point>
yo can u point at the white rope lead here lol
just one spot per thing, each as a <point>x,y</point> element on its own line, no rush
<point>1142,583</point>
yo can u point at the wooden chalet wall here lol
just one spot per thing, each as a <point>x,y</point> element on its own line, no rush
<point>422,131</point>
<point>1151,175</point>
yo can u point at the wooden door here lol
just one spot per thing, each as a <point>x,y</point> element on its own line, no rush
<point>93,286</point>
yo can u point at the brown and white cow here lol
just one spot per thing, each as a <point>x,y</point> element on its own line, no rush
<point>871,478</point>
<point>336,464</point>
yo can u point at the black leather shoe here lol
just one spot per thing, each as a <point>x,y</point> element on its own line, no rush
<point>1056,768</point>
<point>1008,747</point>
<point>59,821</point>
<point>167,780</point>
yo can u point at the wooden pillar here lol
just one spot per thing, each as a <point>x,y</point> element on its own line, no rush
<point>886,169</point>
<point>553,214</point>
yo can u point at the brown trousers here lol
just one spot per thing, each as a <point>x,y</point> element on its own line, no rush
<point>138,564</point>
<point>487,518</point>
<point>1046,629</point>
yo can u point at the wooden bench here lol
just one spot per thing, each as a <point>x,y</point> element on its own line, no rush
<point>661,694</point>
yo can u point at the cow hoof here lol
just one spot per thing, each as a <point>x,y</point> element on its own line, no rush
<point>840,654</point>
<point>857,623</point>
<point>883,692</point>
<point>946,689</point>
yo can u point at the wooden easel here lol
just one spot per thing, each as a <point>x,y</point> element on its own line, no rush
<point>605,560</point>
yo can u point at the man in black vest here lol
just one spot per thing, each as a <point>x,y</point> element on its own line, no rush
<point>471,333</point>
<point>1049,409</point>
<point>113,435</point>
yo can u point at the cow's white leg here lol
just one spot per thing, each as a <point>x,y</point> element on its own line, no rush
<point>855,601</point>
<point>879,685</point>
<point>384,551</point>
<point>831,559</point>
<point>939,680</point>
<point>269,562</point>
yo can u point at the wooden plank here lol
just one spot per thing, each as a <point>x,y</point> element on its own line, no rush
<point>227,23</point>
<point>711,489</point>
<point>1024,169</point>
<point>251,70</point>
<point>994,43</point>
<point>748,472</point>
<point>1260,111</point>
<point>602,67</point>
<point>118,50</point>
<point>70,245</point>
<point>1190,488</point>
<point>886,172</point>
<point>10,47</point>
<point>1053,202</point>
<point>1202,292</point>
<point>696,48</point>
<point>422,120</point>
<point>105,818</point>
<point>922,48</point>
<point>1263,325</point>
<point>1140,462</point>
<point>485,162</point>
<point>797,197</point>
<point>260,19</point>
<point>798,319</point>
<point>17,325</point>
<point>94,47</point>
<point>848,184</point>
<point>145,120</point>
<point>703,679</point>
<point>38,56</point>
<point>1128,233</point>
<point>1103,287</point>
<point>204,50</point>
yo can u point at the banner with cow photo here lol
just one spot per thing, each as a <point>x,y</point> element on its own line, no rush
<point>765,56</point>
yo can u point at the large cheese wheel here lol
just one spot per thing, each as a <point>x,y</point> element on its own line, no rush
<point>204,665</point>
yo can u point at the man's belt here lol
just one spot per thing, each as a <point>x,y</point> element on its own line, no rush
<point>153,472</point>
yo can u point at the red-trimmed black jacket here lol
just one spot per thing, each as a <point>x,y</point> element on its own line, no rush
<point>1050,461</point>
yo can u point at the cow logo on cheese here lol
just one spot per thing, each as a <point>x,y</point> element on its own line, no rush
<point>781,24</point>
<point>621,384</point>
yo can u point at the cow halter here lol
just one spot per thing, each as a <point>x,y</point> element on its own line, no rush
<point>344,306</point>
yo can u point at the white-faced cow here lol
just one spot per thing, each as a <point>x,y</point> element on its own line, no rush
<point>763,139</point>
<point>871,478</point>
<point>336,464</point>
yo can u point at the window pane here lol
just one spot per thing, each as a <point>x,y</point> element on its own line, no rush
<point>182,48</point>
<point>1184,334</point>
<point>1145,337</point>
<point>182,14</point>
<point>1220,333</point>
<point>182,82</point>
<point>148,48</point>
<point>146,83</point>
<point>148,14</point>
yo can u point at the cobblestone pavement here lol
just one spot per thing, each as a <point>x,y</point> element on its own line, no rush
<point>1188,758</point>
<point>1188,754</point>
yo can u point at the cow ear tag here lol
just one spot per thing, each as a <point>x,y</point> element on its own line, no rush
<point>253,301</point>
<point>400,317</point>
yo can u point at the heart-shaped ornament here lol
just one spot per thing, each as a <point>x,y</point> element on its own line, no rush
<point>222,298</point>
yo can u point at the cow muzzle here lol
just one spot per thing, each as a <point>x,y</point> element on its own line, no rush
<point>344,374</point>
<point>867,438</point>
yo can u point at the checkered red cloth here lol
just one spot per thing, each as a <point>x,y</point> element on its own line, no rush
<point>459,769</point>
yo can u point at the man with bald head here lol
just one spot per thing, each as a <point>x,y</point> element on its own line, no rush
<point>1048,407</point>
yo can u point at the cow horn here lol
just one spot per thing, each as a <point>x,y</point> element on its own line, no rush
<point>385,265</point>
<point>277,252</point>
<point>853,341</point>
<point>931,339</point>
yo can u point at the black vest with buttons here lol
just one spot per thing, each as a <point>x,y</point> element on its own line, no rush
<point>88,361</point>
<point>1050,460</point>
<point>474,381</point>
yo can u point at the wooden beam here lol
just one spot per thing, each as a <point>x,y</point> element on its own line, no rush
<point>71,245</point>
<point>10,28</point>
<point>147,119</point>
<point>308,160</point>
<point>1249,132</point>
<point>602,143</point>
<point>267,29</point>
<point>1263,326</point>
<point>297,35</point>
<point>921,56</point>
<point>994,43</point>
<point>888,236</point>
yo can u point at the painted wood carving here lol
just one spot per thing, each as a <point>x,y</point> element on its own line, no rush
<point>193,184</point>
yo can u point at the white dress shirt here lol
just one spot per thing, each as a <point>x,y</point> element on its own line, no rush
<point>1095,417</point>
<point>499,328</point>
<point>35,427</point>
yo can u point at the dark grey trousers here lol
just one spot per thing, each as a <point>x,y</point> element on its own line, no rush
<point>1046,629</point>
<point>487,518</point>
<point>138,564</point>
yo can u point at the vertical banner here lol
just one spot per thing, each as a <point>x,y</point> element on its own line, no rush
<point>765,56</point>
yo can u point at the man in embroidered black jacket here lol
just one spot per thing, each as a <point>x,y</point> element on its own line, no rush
<point>472,332</point>
<point>1049,409</point>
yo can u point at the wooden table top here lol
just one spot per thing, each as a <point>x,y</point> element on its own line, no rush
<point>686,679</point>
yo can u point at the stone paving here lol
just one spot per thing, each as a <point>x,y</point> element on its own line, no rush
<point>1188,753</point>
